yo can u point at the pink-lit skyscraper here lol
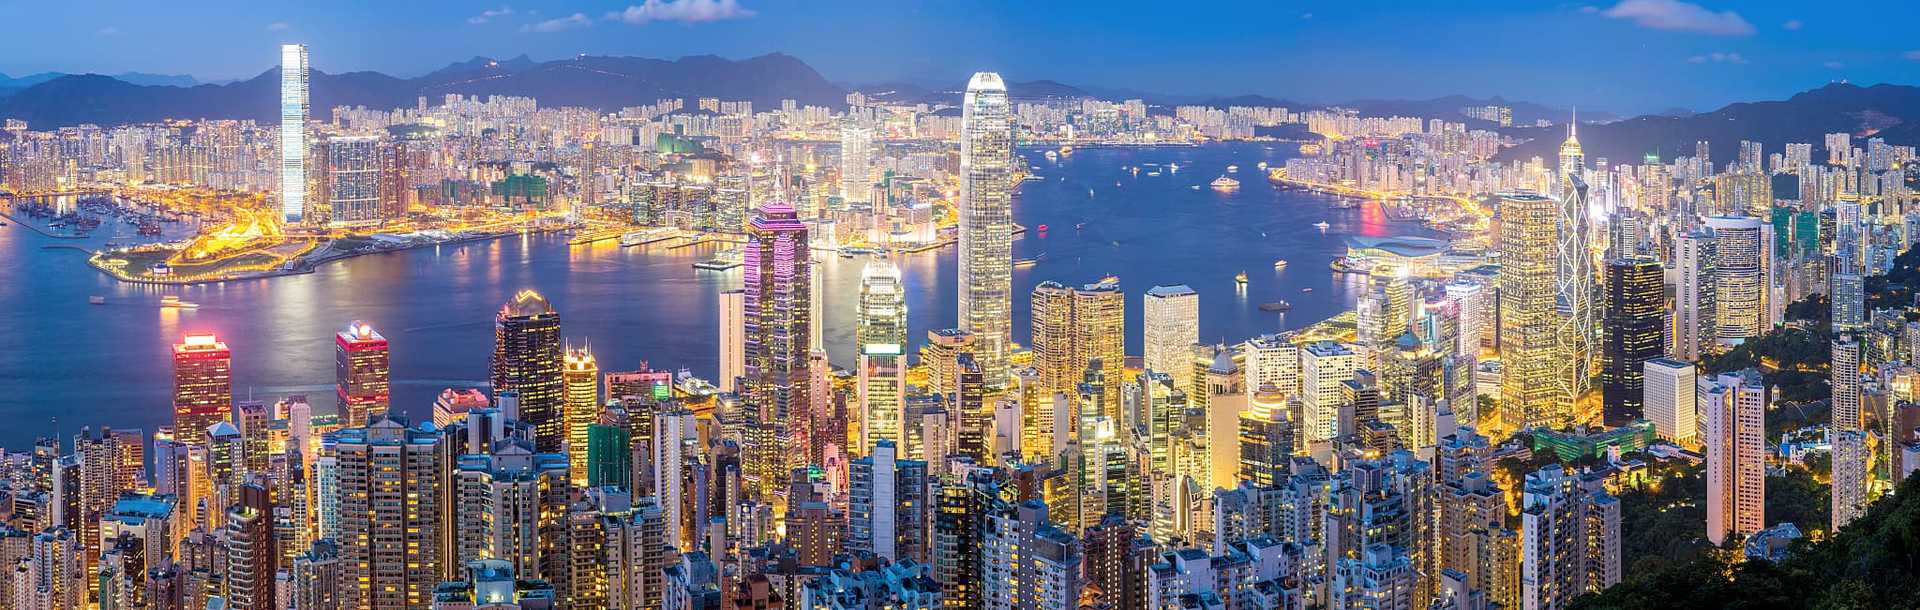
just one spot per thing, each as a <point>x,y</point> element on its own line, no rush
<point>777,281</point>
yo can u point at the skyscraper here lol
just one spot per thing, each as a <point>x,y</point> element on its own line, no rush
<point>1171,319</point>
<point>1325,367</point>
<point>202,386</point>
<point>1740,279</point>
<point>352,180</point>
<point>1735,406</point>
<point>856,168</point>
<point>361,373</point>
<point>1529,323</point>
<point>1696,261</point>
<point>293,132</point>
<point>580,376</point>
<point>394,514</point>
<point>1636,297</point>
<point>779,285</point>
<point>1850,452</point>
<point>1569,539</point>
<point>527,358</point>
<point>1074,328</point>
<point>986,223</point>
<point>883,307</point>
<point>733,350</point>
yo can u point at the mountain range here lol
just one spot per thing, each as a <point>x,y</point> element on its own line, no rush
<point>1884,111</point>
<point>51,100</point>
<point>606,83</point>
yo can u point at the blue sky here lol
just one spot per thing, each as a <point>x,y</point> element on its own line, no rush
<point>1619,55</point>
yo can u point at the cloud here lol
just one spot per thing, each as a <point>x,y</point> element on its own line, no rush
<point>1911,55</point>
<point>683,11</point>
<point>1677,16</point>
<point>1718,58</point>
<point>1834,65</point>
<point>278,26</point>
<point>1791,25</point>
<point>569,22</point>
<point>489,14</point>
<point>107,31</point>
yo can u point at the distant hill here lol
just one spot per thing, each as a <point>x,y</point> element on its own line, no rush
<point>1888,111</point>
<point>606,83</point>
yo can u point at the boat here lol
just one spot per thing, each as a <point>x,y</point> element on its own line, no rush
<point>1223,183</point>
<point>1263,164</point>
<point>1194,187</point>
<point>1066,149</point>
<point>1052,156</point>
<point>722,261</point>
<point>1233,169</point>
<point>1280,264</point>
<point>1154,173</point>
<point>1173,168</point>
<point>1322,225</point>
<point>1240,278</point>
<point>97,300</point>
<point>1026,262</point>
<point>1309,289</point>
<point>169,301</point>
<point>1279,306</point>
<point>1080,226</point>
<point>1043,228</point>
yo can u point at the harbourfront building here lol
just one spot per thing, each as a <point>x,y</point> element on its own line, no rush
<point>986,223</point>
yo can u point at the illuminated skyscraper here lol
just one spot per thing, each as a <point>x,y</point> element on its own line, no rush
<point>1696,261</point>
<point>394,520</point>
<point>581,375</point>
<point>293,132</point>
<point>986,223</point>
<point>1740,278</point>
<point>1171,320</point>
<point>202,386</point>
<point>1671,399</point>
<point>1325,367</point>
<point>1850,451</point>
<point>778,278</point>
<point>1265,440</point>
<point>1075,327</point>
<point>856,162</point>
<point>527,358</point>
<point>1636,297</point>
<point>361,373</point>
<point>1529,323</point>
<point>733,354</point>
<point>352,184</point>
<point>883,307</point>
<point>1734,406</point>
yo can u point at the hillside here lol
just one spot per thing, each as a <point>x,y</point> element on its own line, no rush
<point>606,83</point>
<point>1889,111</point>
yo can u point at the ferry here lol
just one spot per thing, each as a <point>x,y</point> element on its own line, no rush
<point>1052,156</point>
<point>722,261</point>
<point>1309,289</point>
<point>1240,278</point>
<point>1280,264</point>
<point>1322,225</point>
<point>97,300</point>
<point>1233,169</point>
<point>1224,183</point>
<point>1154,173</point>
<point>174,302</point>
<point>1279,306</point>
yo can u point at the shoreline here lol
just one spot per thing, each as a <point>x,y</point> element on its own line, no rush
<point>304,267</point>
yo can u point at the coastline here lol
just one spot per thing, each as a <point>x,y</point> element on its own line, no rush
<point>301,268</point>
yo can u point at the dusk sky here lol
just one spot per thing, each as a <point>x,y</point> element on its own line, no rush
<point>1626,56</point>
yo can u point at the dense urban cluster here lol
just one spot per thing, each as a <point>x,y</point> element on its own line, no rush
<point>1463,439</point>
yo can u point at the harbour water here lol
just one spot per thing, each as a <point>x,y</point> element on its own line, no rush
<point>109,364</point>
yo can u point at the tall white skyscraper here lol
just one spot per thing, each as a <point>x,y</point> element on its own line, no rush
<point>1735,406</point>
<point>1740,295</point>
<point>1850,468</point>
<point>293,132</point>
<point>986,223</point>
<point>1171,317</point>
<point>733,338</point>
<point>1670,399</point>
<point>856,162</point>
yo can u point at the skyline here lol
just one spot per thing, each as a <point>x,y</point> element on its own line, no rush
<point>1629,57</point>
